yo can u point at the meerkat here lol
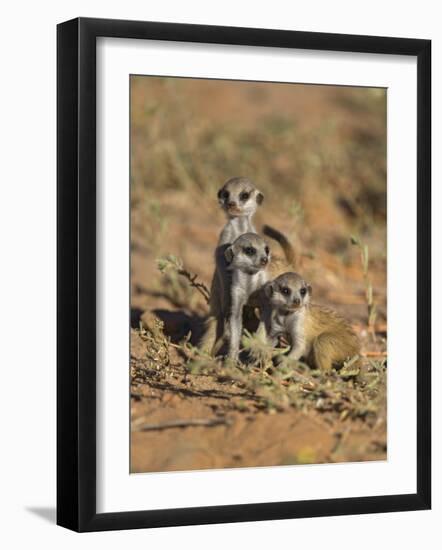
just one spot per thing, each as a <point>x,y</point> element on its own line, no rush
<point>245,261</point>
<point>239,198</point>
<point>215,323</point>
<point>316,334</point>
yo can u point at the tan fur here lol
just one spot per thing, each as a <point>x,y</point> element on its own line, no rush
<point>330,340</point>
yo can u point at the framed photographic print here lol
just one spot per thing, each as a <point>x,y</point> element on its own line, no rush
<point>243,274</point>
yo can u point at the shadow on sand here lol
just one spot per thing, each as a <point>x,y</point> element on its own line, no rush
<point>47,513</point>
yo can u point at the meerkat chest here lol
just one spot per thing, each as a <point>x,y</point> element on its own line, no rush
<point>296,325</point>
<point>235,228</point>
<point>277,326</point>
<point>291,327</point>
<point>244,284</point>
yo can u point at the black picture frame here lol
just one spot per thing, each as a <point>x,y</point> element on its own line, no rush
<point>76,273</point>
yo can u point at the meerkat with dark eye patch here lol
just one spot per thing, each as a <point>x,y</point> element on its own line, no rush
<point>239,198</point>
<point>316,334</point>
<point>245,263</point>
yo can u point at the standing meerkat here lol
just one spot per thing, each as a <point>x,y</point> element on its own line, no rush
<point>239,198</point>
<point>246,260</point>
<point>316,333</point>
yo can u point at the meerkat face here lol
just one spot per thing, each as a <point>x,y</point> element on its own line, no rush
<point>239,197</point>
<point>289,292</point>
<point>249,253</point>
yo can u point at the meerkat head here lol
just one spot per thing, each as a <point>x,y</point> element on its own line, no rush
<point>239,197</point>
<point>249,253</point>
<point>288,292</point>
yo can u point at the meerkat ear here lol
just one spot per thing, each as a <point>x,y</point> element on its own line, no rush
<point>220,191</point>
<point>228,254</point>
<point>259,197</point>
<point>268,290</point>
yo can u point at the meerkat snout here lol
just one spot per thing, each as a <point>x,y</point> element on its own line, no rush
<point>239,197</point>
<point>249,253</point>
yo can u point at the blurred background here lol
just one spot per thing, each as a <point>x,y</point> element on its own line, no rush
<point>318,153</point>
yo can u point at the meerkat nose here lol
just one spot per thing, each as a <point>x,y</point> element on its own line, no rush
<point>296,301</point>
<point>231,204</point>
<point>264,260</point>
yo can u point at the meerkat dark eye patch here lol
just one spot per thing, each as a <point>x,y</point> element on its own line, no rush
<point>268,289</point>
<point>244,196</point>
<point>267,250</point>
<point>303,291</point>
<point>223,194</point>
<point>249,250</point>
<point>228,254</point>
<point>259,198</point>
<point>285,290</point>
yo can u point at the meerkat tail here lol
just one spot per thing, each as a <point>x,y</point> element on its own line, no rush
<point>283,242</point>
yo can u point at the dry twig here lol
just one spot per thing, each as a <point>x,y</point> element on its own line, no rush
<point>138,427</point>
<point>174,263</point>
<point>374,354</point>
